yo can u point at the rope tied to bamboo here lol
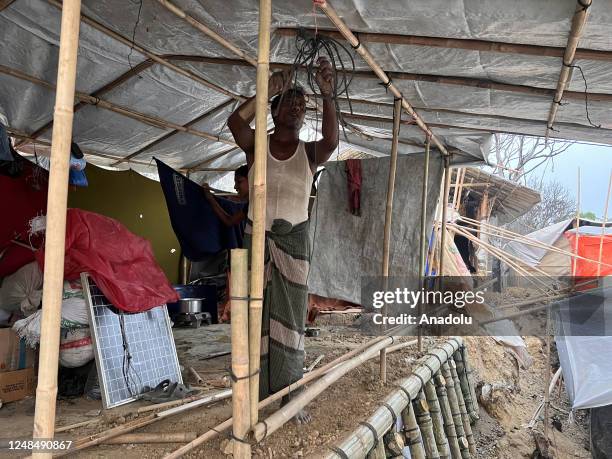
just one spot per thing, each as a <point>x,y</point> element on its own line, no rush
<point>372,429</point>
<point>339,452</point>
<point>585,6</point>
<point>393,414</point>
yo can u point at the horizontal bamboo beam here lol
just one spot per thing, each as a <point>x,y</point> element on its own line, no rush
<point>160,60</point>
<point>578,22</point>
<point>455,43</point>
<point>90,100</point>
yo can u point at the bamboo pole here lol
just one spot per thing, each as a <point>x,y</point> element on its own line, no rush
<point>212,433</point>
<point>423,233</point>
<point>173,403</point>
<point>127,112</point>
<point>378,452</point>
<point>551,386</point>
<point>577,225</point>
<point>359,442</point>
<point>46,391</point>
<point>264,429</point>
<point>462,408</point>
<point>453,401</point>
<point>421,409</point>
<point>548,379</point>
<point>467,387</point>
<point>412,433</point>
<point>240,352</point>
<point>578,22</point>
<point>444,203</point>
<point>77,425</point>
<point>259,204</point>
<point>437,420</point>
<point>447,416</point>
<point>158,437</point>
<point>603,226</point>
<point>380,73</point>
<point>397,115</point>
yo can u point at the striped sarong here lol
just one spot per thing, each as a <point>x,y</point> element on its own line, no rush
<point>285,305</point>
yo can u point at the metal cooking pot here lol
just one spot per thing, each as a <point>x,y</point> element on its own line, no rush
<point>190,305</point>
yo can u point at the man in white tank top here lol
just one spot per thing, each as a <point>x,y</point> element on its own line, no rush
<point>291,164</point>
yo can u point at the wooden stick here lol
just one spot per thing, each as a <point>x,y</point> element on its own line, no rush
<point>447,416</point>
<point>46,390</point>
<point>159,437</point>
<point>315,363</point>
<point>77,425</point>
<point>578,22</point>
<point>444,203</point>
<point>603,226</point>
<point>421,409</point>
<point>377,69</point>
<point>423,234</point>
<point>548,379</point>
<point>462,408</point>
<point>455,411</point>
<point>212,433</point>
<point>397,115</point>
<point>574,264</point>
<point>173,403</point>
<point>412,433</point>
<point>437,420</point>
<point>262,430</point>
<point>551,387</point>
<point>240,352</point>
<point>259,204</point>
<point>195,374</point>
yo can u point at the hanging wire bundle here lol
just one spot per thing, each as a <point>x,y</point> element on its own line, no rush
<point>309,49</point>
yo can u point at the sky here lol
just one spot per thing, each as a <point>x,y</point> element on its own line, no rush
<point>595,163</point>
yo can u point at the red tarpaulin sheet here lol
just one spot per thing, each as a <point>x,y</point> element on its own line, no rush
<point>121,263</point>
<point>588,247</point>
<point>23,198</point>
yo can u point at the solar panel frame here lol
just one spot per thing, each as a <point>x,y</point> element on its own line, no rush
<point>148,336</point>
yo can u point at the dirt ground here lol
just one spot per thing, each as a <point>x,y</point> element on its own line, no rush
<point>500,433</point>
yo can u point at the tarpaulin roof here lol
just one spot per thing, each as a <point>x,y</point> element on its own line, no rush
<point>465,94</point>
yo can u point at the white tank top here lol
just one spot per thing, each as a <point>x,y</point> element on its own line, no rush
<point>289,183</point>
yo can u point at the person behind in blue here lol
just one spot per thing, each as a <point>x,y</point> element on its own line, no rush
<point>241,185</point>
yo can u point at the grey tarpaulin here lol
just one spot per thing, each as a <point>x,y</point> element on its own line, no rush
<point>346,247</point>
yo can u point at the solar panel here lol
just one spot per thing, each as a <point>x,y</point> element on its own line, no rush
<point>131,350</point>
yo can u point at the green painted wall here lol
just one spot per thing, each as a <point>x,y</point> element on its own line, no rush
<point>138,203</point>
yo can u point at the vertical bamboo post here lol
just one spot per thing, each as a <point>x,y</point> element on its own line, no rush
<point>455,412</point>
<point>547,391</point>
<point>259,204</point>
<point>423,241</point>
<point>46,391</point>
<point>412,433</point>
<point>421,410</point>
<point>467,388</point>
<point>447,416</point>
<point>575,260</point>
<point>378,452</point>
<point>465,418</point>
<point>397,115</point>
<point>240,352</point>
<point>444,203</point>
<point>437,421</point>
<point>603,227</point>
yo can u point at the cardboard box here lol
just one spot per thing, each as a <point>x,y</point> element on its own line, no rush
<point>14,353</point>
<point>15,385</point>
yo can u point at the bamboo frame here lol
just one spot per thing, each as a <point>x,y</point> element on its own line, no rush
<point>457,43</point>
<point>603,226</point>
<point>259,204</point>
<point>95,101</point>
<point>467,427</point>
<point>359,442</point>
<point>397,115</point>
<point>578,22</point>
<point>421,410</point>
<point>46,390</point>
<point>453,401</point>
<point>380,73</point>
<point>240,352</point>
<point>467,387</point>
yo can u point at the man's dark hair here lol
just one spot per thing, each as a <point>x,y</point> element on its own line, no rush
<point>292,92</point>
<point>242,171</point>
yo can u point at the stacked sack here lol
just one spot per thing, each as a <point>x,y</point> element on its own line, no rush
<point>76,348</point>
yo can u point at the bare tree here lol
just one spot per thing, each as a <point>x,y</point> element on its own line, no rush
<point>518,156</point>
<point>557,204</point>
